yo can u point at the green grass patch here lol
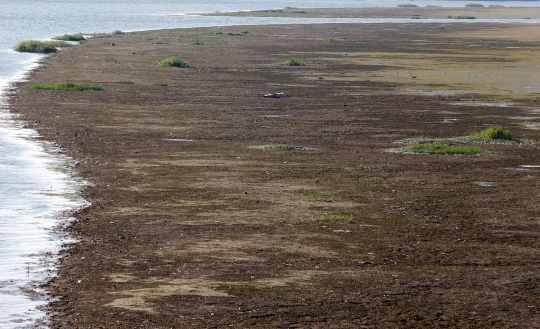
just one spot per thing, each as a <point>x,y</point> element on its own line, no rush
<point>136,52</point>
<point>163,83</point>
<point>40,47</point>
<point>293,62</point>
<point>239,33</point>
<point>328,217</point>
<point>67,86</point>
<point>173,62</point>
<point>495,132</point>
<point>282,147</point>
<point>442,148</point>
<point>320,197</point>
<point>196,42</point>
<point>461,17</point>
<point>71,37</point>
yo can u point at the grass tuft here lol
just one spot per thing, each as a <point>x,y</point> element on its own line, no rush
<point>495,132</point>
<point>40,47</point>
<point>72,86</point>
<point>173,62</point>
<point>71,37</point>
<point>240,33</point>
<point>320,197</point>
<point>461,17</point>
<point>293,62</point>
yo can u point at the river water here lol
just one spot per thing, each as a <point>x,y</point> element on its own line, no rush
<point>36,189</point>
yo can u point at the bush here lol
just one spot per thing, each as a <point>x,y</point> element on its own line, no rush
<point>441,148</point>
<point>66,86</point>
<point>173,62</point>
<point>41,47</point>
<point>495,132</point>
<point>411,5</point>
<point>71,37</point>
<point>293,62</point>
<point>474,5</point>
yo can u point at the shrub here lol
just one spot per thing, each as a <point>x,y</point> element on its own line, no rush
<point>67,86</point>
<point>408,5</point>
<point>71,37</point>
<point>495,132</point>
<point>293,62</point>
<point>474,5</point>
<point>442,148</point>
<point>173,62</point>
<point>41,47</point>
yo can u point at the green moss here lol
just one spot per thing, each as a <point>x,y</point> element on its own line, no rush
<point>441,148</point>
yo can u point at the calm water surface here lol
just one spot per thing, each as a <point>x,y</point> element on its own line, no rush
<point>34,189</point>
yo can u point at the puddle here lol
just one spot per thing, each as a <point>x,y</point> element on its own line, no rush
<point>275,115</point>
<point>179,140</point>
<point>450,120</point>
<point>484,184</point>
<point>530,166</point>
<point>491,104</point>
<point>532,125</point>
<point>524,118</point>
<point>516,168</point>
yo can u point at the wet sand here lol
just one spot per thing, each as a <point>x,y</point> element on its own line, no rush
<point>213,206</point>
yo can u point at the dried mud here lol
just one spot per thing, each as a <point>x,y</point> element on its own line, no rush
<point>192,227</point>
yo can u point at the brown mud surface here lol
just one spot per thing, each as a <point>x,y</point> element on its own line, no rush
<point>198,219</point>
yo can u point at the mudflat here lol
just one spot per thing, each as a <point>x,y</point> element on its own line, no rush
<point>215,207</point>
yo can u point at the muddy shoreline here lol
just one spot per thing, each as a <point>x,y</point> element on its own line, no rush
<point>213,206</point>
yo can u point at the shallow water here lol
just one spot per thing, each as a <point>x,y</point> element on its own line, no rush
<point>34,190</point>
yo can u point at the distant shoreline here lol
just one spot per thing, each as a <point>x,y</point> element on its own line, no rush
<point>492,12</point>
